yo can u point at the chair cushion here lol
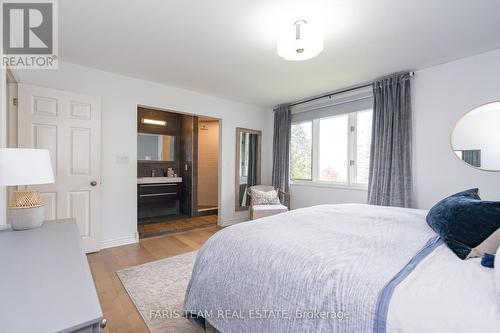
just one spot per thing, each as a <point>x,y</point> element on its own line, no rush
<point>265,198</point>
<point>268,210</point>
<point>270,207</point>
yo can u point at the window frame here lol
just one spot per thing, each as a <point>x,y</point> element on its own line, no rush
<point>352,137</point>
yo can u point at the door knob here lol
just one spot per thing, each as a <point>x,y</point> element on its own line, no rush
<point>93,183</point>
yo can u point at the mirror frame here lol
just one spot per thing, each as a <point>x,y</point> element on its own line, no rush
<point>453,131</point>
<point>240,130</point>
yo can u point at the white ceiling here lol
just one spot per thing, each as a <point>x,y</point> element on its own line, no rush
<point>227,47</point>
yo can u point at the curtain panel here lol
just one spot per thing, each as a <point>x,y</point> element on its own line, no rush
<point>472,157</point>
<point>281,147</point>
<point>390,182</point>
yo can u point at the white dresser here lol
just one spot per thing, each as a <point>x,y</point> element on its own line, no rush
<point>45,281</point>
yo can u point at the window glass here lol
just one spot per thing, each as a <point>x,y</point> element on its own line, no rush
<point>301,151</point>
<point>333,149</point>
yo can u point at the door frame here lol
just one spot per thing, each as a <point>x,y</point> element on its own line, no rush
<point>8,129</point>
<point>219,163</point>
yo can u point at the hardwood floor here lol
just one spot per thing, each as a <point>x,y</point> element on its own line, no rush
<point>176,225</point>
<point>118,309</point>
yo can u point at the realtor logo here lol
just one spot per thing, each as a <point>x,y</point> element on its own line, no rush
<point>29,34</point>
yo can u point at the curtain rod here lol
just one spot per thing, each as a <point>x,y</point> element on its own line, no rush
<point>330,95</point>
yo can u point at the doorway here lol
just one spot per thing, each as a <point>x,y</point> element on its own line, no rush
<point>208,166</point>
<point>177,190</point>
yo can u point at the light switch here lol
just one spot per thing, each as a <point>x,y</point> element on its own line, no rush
<point>122,159</point>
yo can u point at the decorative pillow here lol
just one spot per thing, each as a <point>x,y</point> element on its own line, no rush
<point>265,198</point>
<point>469,226</point>
<point>488,260</point>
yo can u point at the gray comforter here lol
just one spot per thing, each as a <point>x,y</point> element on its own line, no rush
<point>317,269</point>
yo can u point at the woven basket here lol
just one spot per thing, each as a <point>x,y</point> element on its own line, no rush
<point>25,199</point>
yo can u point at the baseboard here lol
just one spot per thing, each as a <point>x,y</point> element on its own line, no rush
<point>120,241</point>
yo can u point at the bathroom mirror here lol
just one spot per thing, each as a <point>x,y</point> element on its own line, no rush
<point>154,147</point>
<point>248,159</point>
<point>476,137</point>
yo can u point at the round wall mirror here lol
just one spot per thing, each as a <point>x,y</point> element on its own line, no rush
<point>476,137</point>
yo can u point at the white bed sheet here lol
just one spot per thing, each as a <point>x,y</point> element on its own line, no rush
<point>445,295</point>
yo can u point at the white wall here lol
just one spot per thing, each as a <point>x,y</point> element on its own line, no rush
<point>120,96</point>
<point>441,96</point>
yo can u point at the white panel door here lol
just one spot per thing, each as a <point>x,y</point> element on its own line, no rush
<point>69,126</point>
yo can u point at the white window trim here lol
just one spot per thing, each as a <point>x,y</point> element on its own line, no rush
<point>351,158</point>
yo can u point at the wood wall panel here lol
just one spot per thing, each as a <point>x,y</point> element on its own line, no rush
<point>172,120</point>
<point>173,128</point>
<point>189,164</point>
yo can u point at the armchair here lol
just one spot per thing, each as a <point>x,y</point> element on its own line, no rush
<point>258,210</point>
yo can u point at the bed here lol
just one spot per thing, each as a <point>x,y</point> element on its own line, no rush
<point>339,268</point>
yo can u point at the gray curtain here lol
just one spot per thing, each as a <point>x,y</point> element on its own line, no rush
<point>281,147</point>
<point>473,157</point>
<point>390,182</point>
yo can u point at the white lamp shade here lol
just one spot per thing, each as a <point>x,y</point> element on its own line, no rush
<point>303,44</point>
<point>20,166</point>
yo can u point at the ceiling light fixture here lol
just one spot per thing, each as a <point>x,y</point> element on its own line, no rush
<point>153,122</point>
<point>302,42</point>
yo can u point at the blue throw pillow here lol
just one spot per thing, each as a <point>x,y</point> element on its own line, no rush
<point>468,225</point>
<point>488,260</point>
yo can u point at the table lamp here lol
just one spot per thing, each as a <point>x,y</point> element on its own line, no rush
<point>20,167</point>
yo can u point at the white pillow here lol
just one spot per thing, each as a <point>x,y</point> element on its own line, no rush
<point>265,198</point>
<point>497,274</point>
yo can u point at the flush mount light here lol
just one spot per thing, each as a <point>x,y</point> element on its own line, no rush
<point>153,122</point>
<point>301,42</point>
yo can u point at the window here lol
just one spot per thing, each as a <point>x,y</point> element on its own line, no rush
<point>332,150</point>
<point>301,151</point>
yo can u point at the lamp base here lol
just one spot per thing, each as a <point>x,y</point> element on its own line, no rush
<point>26,218</point>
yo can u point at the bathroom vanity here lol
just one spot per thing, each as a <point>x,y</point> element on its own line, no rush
<point>158,197</point>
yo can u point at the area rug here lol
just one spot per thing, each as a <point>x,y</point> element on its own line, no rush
<point>158,289</point>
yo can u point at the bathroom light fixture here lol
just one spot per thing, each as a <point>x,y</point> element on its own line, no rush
<point>153,122</point>
<point>303,41</point>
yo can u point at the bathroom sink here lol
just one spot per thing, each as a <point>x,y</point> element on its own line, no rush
<point>158,180</point>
